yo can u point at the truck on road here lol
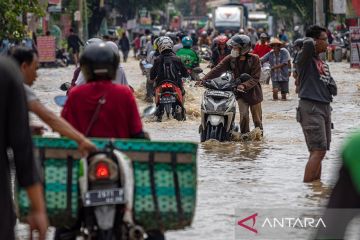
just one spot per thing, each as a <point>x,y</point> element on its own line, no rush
<point>229,17</point>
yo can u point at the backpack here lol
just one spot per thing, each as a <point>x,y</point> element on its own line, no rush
<point>170,71</point>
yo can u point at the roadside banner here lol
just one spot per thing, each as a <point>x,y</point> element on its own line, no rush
<point>355,47</point>
<point>46,48</point>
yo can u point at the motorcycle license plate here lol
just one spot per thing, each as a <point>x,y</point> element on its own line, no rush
<point>104,197</point>
<point>167,99</point>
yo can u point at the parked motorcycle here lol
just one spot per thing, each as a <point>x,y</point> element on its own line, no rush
<point>169,100</point>
<point>218,109</point>
<point>63,57</point>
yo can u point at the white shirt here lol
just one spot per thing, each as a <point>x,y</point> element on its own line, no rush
<point>30,94</point>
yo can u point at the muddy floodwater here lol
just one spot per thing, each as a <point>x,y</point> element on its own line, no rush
<point>253,174</point>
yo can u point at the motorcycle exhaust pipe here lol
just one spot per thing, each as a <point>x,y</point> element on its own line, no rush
<point>136,233</point>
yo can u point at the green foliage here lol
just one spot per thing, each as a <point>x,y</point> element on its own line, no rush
<point>12,13</point>
<point>285,9</point>
<point>184,6</point>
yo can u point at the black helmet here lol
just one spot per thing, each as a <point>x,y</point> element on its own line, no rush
<point>299,42</point>
<point>172,36</point>
<point>241,41</point>
<point>99,62</point>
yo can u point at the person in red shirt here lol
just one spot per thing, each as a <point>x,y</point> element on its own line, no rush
<point>262,47</point>
<point>101,108</point>
<point>136,44</point>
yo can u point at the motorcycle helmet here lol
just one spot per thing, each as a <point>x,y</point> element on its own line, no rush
<point>242,42</point>
<point>162,32</point>
<point>165,43</point>
<point>156,43</point>
<point>99,62</point>
<point>172,36</point>
<point>204,34</point>
<point>299,42</point>
<point>180,34</point>
<point>187,42</point>
<point>93,40</point>
<point>222,40</point>
<point>264,35</point>
<point>114,47</point>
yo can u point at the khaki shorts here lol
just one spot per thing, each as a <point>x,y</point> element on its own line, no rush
<point>315,120</point>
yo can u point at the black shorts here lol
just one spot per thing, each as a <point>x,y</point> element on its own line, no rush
<point>283,86</point>
<point>75,50</point>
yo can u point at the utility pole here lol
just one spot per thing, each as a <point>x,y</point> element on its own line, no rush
<point>319,17</point>
<point>80,27</point>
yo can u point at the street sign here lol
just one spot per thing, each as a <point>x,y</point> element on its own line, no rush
<point>355,47</point>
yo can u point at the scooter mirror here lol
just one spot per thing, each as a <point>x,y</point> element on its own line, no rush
<point>197,70</point>
<point>148,111</point>
<point>60,100</point>
<point>65,86</point>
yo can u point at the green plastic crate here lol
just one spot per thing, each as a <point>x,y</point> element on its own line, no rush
<point>160,206</point>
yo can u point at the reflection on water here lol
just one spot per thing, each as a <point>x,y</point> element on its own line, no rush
<point>266,173</point>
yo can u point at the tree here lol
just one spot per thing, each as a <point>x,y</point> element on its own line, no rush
<point>127,9</point>
<point>184,6</point>
<point>13,16</point>
<point>285,9</point>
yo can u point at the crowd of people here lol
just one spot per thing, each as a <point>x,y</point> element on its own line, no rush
<point>171,56</point>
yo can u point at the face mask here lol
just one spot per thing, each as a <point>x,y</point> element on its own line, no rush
<point>234,53</point>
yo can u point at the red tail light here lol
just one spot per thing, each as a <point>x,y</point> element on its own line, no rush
<point>166,85</point>
<point>102,171</point>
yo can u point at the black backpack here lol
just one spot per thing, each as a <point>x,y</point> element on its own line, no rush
<point>169,71</point>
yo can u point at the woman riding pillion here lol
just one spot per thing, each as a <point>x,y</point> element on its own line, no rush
<point>188,56</point>
<point>167,68</point>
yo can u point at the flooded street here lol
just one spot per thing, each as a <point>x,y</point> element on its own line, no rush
<point>233,175</point>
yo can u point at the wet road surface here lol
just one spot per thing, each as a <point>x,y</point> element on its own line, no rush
<point>266,174</point>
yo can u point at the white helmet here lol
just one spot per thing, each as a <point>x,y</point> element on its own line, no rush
<point>165,43</point>
<point>296,28</point>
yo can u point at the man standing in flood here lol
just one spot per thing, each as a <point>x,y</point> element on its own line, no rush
<point>316,91</point>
